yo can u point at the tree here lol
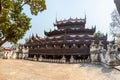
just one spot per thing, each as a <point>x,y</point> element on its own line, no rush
<point>117,2</point>
<point>118,41</point>
<point>99,34</point>
<point>13,21</point>
<point>1,49</point>
<point>115,24</point>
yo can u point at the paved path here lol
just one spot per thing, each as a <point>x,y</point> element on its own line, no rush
<point>29,70</point>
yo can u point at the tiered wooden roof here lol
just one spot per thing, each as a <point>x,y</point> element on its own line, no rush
<point>69,33</point>
<point>70,21</point>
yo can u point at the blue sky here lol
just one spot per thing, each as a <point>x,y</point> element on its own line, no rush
<point>97,12</point>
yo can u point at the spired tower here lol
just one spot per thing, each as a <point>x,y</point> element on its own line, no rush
<point>70,42</point>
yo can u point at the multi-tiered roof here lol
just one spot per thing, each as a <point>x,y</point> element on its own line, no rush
<point>70,38</point>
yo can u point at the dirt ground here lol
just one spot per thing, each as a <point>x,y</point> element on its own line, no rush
<point>31,70</point>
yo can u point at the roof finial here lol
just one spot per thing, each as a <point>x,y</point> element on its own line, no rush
<point>32,36</point>
<point>56,17</point>
<point>36,35</point>
<point>95,27</point>
<point>85,15</point>
<point>106,34</point>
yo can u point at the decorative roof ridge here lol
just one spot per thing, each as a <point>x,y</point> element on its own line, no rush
<point>35,37</point>
<point>71,19</point>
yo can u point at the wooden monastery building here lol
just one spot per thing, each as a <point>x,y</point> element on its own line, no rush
<point>70,42</point>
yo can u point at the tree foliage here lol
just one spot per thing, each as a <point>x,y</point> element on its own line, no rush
<point>118,41</point>
<point>115,24</point>
<point>13,21</point>
<point>99,34</point>
<point>1,48</point>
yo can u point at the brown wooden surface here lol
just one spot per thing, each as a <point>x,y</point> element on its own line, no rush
<point>73,51</point>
